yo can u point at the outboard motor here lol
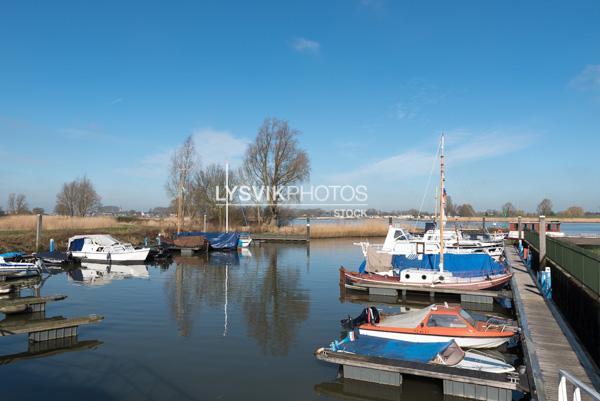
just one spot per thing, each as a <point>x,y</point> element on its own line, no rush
<point>368,315</point>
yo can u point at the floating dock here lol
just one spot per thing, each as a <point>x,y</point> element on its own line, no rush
<point>47,329</point>
<point>28,304</point>
<point>457,382</point>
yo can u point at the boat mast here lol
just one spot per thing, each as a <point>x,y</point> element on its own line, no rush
<point>227,197</point>
<point>442,205</point>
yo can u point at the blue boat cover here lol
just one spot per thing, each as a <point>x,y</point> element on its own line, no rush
<point>461,265</point>
<point>217,240</point>
<point>11,255</point>
<point>392,349</point>
<point>76,244</point>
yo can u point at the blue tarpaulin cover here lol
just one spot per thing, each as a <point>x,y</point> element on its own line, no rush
<point>217,240</point>
<point>76,244</point>
<point>392,349</point>
<point>461,265</point>
<point>11,255</point>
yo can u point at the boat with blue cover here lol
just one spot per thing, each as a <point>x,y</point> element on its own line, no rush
<point>216,240</point>
<point>446,353</point>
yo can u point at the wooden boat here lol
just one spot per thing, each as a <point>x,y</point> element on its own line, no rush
<point>434,324</point>
<point>447,353</point>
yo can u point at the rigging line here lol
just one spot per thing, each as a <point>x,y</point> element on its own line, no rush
<point>433,163</point>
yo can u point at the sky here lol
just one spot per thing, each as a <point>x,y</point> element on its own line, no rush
<point>108,89</point>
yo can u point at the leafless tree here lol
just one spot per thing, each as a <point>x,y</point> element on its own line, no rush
<point>21,206</point>
<point>545,207</point>
<point>10,207</point>
<point>204,194</point>
<point>274,160</point>
<point>77,198</point>
<point>465,210</point>
<point>17,204</point>
<point>179,184</point>
<point>574,211</point>
<point>508,209</point>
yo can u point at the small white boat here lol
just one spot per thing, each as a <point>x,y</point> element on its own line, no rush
<point>105,248</point>
<point>245,240</point>
<point>20,269</point>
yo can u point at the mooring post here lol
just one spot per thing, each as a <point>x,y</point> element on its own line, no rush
<point>51,244</point>
<point>204,230</point>
<point>38,233</point>
<point>308,228</point>
<point>542,232</point>
<point>519,229</point>
<point>483,223</point>
<point>390,221</point>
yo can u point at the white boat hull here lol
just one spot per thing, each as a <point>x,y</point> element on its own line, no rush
<point>482,363</point>
<point>133,256</point>
<point>463,342</point>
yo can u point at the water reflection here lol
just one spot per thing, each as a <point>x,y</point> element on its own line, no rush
<point>271,297</point>
<point>102,273</point>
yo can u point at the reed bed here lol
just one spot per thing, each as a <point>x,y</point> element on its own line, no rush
<point>28,222</point>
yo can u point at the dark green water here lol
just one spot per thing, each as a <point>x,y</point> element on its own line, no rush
<point>233,327</point>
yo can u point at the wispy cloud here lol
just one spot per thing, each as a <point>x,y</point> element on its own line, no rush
<point>215,146</point>
<point>467,148</point>
<point>306,46</point>
<point>117,100</point>
<point>588,79</point>
<point>212,146</point>
<point>417,96</point>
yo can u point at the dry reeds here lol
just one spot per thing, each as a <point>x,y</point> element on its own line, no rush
<point>28,222</point>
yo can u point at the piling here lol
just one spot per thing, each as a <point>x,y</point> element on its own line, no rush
<point>542,233</point>
<point>308,228</point>
<point>519,229</point>
<point>483,223</point>
<point>38,232</point>
<point>51,244</point>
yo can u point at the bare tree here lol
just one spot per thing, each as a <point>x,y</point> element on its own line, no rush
<point>465,210</point>
<point>21,206</point>
<point>181,171</point>
<point>77,198</point>
<point>545,207</point>
<point>508,209</point>
<point>275,160</point>
<point>204,194</point>
<point>10,207</point>
<point>450,207</point>
<point>574,211</point>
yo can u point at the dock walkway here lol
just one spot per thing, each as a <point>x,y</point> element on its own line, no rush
<point>545,344</point>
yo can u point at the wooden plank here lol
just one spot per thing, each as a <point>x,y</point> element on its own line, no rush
<point>46,324</point>
<point>30,300</point>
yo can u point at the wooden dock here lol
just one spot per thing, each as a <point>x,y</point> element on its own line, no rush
<point>546,346</point>
<point>31,304</point>
<point>271,237</point>
<point>47,329</point>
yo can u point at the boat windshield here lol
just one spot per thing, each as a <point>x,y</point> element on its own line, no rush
<point>465,315</point>
<point>451,321</point>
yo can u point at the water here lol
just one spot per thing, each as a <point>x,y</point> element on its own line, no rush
<point>230,328</point>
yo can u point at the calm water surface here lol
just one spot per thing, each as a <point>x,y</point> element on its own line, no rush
<point>233,327</point>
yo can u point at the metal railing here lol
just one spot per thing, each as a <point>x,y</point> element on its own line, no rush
<point>532,237</point>
<point>578,387</point>
<point>577,261</point>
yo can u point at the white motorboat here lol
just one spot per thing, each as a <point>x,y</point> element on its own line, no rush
<point>105,248</point>
<point>245,240</point>
<point>20,269</point>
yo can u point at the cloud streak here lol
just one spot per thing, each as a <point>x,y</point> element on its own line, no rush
<point>414,162</point>
<point>306,46</point>
<point>588,79</point>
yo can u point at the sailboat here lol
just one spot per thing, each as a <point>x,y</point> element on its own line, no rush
<point>471,271</point>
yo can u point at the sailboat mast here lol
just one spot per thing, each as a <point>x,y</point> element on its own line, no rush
<point>442,204</point>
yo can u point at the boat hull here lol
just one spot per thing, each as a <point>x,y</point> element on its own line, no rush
<point>134,256</point>
<point>463,342</point>
<point>366,279</point>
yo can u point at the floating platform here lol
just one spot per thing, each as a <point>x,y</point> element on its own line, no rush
<point>47,329</point>
<point>49,348</point>
<point>17,283</point>
<point>271,237</point>
<point>457,382</point>
<point>28,304</point>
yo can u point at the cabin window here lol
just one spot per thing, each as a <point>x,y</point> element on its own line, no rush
<point>446,321</point>
<point>399,236</point>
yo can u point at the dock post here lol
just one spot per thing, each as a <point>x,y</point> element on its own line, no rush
<point>519,229</point>
<point>483,223</point>
<point>542,232</point>
<point>308,228</point>
<point>390,221</point>
<point>204,230</point>
<point>38,232</point>
<point>51,244</point>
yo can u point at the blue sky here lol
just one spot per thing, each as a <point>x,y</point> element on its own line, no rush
<point>109,89</point>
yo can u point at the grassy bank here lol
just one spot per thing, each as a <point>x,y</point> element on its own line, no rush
<point>17,233</point>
